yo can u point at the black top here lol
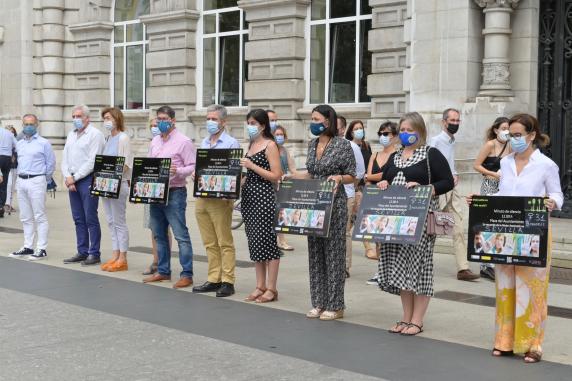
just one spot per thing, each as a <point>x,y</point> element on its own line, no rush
<point>441,176</point>
<point>375,168</point>
<point>492,163</point>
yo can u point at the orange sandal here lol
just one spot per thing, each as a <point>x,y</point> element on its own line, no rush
<point>108,264</point>
<point>262,299</point>
<point>118,266</point>
<point>252,297</point>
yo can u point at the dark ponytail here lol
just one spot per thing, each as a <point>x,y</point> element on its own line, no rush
<point>330,114</point>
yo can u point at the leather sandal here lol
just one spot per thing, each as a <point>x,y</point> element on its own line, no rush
<point>118,266</point>
<point>397,325</point>
<point>532,356</point>
<point>314,313</point>
<point>499,353</point>
<point>332,315</point>
<point>419,327</point>
<point>252,297</point>
<point>108,264</point>
<point>262,299</point>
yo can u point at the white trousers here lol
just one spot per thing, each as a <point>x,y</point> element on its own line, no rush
<point>116,220</point>
<point>11,180</point>
<point>32,203</point>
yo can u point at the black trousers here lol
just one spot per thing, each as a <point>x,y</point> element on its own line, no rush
<point>5,165</point>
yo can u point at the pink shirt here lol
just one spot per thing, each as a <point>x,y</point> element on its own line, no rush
<point>181,150</point>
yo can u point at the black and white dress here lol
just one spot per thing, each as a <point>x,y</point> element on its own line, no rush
<point>327,256</point>
<point>410,267</point>
<point>258,206</point>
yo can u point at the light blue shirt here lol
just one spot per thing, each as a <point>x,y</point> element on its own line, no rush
<point>7,142</point>
<point>112,145</point>
<point>224,141</point>
<point>35,156</point>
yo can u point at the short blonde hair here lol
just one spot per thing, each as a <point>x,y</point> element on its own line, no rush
<point>417,123</point>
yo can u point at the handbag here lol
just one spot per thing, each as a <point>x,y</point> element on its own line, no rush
<point>438,223</point>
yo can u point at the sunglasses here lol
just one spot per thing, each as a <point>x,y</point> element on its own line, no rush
<point>384,133</point>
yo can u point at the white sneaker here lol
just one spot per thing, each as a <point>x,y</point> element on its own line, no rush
<point>372,281</point>
<point>38,255</point>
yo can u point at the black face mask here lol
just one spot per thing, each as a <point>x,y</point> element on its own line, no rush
<point>452,128</point>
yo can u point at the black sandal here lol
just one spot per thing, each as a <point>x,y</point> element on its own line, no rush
<point>412,334</point>
<point>502,353</point>
<point>397,325</point>
<point>535,356</point>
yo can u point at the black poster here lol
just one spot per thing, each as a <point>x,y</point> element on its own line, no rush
<point>217,173</point>
<point>304,207</point>
<point>107,175</point>
<point>150,181</point>
<point>508,230</point>
<point>394,215</point>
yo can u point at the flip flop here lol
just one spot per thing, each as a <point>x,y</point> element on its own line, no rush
<point>412,334</point>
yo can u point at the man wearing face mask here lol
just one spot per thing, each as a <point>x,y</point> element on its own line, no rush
<point>452,202</point>
<point>273,117</point>
<point>83,143</point>
<point>214,216</point>
<point>180,149</point>
<point>36,164</point>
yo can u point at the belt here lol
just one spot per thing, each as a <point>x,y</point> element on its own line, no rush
<point>26,177</point>
<point>177,189</point>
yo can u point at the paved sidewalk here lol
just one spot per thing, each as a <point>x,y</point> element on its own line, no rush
<point>469,322</point>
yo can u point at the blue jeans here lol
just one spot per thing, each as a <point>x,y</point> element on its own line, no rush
<point>84,213</point>
<point>172,214</point>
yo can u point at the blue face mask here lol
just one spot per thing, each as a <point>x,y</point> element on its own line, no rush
<point>253,131</point>
<point>212,127</point>
<point>29,129</point>
<point>279,139</point>
<point>317,128</point>
<point>385,141</point>
<point>273,126</point>
<point>77,124</point>
<point>408,139</point>
<point>359,134</point>
<point>155,131</point>
<point>164,125</point>
<point>519,145</point>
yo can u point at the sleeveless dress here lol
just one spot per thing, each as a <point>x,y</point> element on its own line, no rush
<point>258,208</point>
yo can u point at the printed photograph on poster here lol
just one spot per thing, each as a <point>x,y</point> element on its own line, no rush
<point>304,207</point>
<point>150,181</point>
<point>508,230</point>
<point>218,173</point>
<point>107,176</point>
<point>394,215</point>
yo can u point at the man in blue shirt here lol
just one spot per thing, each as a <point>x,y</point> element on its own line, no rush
<point>36,165</point>
<point>7,146</point>
<point>214,216</point>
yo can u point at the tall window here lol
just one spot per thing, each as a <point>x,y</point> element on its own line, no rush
<point>224,33</point>
<point>339,58</point>
<point>128,59</point>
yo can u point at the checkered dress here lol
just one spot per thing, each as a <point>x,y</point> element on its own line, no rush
<point>408,267</point>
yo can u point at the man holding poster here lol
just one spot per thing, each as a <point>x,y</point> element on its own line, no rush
<point>180,149</point>
<point>214,216</point>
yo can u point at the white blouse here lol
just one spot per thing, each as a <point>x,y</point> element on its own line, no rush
<point>539,178</point>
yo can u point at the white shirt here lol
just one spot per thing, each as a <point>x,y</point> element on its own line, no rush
<point>446,145</point>
<point>80,150</point>
<point>7,142</point>
<point>360,170</point>
<point>539,178</point>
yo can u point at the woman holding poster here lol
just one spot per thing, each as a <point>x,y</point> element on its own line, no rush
<point>407,270</point>
<point>521,311</point>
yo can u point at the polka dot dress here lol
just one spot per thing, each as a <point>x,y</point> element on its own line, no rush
<point>258,208</point>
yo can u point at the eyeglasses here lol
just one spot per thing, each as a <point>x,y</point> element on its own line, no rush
<point>384,133</point>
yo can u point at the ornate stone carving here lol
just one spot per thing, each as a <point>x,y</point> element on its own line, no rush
<point>497,3</point>
<point>496,74</point>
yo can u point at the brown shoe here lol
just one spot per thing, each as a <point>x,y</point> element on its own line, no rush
<point>183,282</point>
<point>156,278</point>
<point>467,275</point>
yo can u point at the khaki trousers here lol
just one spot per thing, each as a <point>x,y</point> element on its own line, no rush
<point>214,217</point>
<point>453,202</point>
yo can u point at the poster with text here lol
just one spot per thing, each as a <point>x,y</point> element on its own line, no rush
<point>107,176</point>
<point>508,230</point>
<point>304,207</point>
<point>217,173</point>
<point>395,215</point>
<point>150,180</point>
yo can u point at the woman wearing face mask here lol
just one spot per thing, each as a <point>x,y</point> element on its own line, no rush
<point>487,163</point>
<point>407,270</point>
<point>262,162</point>
<point>288,167</point>
<point>329,158</point>
<point>117,144</point>
<point>521,312</point>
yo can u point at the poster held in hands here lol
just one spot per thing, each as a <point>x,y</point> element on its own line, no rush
<point>150,180</point>
<point>218,173</point>
<point>107,176</point>
<point>304,207</point>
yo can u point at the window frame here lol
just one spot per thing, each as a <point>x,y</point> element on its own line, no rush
<point>327,21</point>
<point>144,44</point>
<point>201,36</point>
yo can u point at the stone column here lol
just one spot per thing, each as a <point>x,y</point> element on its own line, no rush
<point>386,41</point>
<point>171,58</point>
<point>496,62</point>
<point>275,53</point>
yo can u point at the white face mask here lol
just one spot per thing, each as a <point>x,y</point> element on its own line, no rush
<point>385,141</point>
<point>108,124</point>
<point>503,136</point>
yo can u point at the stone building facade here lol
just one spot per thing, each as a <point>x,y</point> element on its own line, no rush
<point>371,59</point>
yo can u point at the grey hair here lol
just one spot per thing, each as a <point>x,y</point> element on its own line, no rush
<point>31,116</point>
<point>222,112</point>
<point>84,109</point>
<point>447,111</point>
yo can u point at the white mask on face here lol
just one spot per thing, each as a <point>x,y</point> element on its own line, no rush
<point>503,136</point>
